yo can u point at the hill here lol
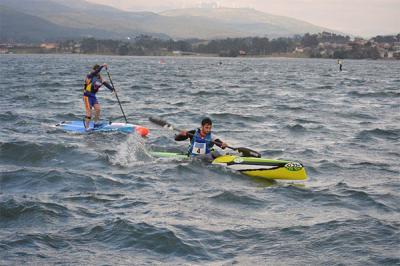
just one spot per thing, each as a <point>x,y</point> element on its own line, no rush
<point>68,18</point>
<point>250,22</point>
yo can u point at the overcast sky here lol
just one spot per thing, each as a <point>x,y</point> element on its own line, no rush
<point>359,17</point>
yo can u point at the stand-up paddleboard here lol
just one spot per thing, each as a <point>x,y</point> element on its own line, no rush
<point>78,127</point>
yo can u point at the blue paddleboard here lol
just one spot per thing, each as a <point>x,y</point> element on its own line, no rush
<point>78,126</point>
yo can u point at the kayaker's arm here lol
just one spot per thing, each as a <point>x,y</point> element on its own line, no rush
<point>220,143</point>
<point>185,135</point>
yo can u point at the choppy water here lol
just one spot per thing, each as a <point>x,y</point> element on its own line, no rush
<point>101,199</point>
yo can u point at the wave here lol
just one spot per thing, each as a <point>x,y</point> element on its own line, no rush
<point>53,84</point>
<point>359,115</point>
<point>381,94</point>
<point>20,213</point>
<point>306,121</point>
<point>347,237</point>
<point>130,153</point>
<point>324,87</point>
<point>8,116</point>
<point>141,87</point>
<point>120,234</point>
<point>286,107</point>
<point>388,134</point>
<point>224,116</point>
<point>343,196</point>
<point>56,180</point>
<point>25,152</point>
<point>297,128</point>
<point>236,198</point>
<point>36,241</point>
<point>207,92</point>
<point>380,167</point>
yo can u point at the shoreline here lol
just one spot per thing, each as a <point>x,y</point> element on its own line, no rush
<point>216,56</point>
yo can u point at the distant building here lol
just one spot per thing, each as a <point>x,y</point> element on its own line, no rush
<point>360,41</point>
<point>208,5</point>
<point>49,45</point>
<point>299,50</point>
<point>384,53</point>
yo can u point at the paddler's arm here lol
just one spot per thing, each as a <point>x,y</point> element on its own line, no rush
<point>184,135</point>
<point>97,71</point>
<point>220,143</point>
<point>108,86</point>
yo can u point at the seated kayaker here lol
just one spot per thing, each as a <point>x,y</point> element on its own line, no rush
<point>201,141</point>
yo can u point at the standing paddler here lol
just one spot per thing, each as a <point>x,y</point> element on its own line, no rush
<point>340,64</point>
<point>93,82</point>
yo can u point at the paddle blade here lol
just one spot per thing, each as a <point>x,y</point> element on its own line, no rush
<point>161,122</point>
<point>248,152</point>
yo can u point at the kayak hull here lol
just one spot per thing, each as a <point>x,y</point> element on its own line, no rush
<point>78,127</point>
<point>255,167</point>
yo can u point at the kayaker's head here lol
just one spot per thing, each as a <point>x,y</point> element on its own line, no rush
<point>206,125</point>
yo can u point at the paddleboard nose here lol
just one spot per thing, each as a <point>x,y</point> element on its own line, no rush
<point>142,131</point>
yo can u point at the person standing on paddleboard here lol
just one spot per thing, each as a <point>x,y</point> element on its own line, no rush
<point>93,82</point>
<point>340,64</point>
<point>202,141</point>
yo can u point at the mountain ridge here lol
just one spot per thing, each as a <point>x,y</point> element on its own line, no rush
<point>107,22</point>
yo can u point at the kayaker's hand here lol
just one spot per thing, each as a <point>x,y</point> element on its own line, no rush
<point>183,133</point>
<point>113,92</point>
<point>224,145</point>
<point>105,66</point>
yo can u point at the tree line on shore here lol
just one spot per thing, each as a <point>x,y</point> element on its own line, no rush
<point>322,45</point>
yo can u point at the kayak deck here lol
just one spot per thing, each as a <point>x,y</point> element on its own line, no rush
<point>251,166</point>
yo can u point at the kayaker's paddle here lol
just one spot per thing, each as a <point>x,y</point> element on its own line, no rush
<point>245,151</point>
<point>116,95</point>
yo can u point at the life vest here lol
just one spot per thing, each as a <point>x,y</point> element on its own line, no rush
<point>92,85</point>
<point>200,145</point>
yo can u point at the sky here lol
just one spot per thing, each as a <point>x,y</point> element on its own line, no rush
<point>365,18</point>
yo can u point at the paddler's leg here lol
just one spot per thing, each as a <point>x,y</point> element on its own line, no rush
<point>203,157</point>
<point>214,154</point>
<point>209,157</point>
<point>88,111</point>
<point>97,113</point>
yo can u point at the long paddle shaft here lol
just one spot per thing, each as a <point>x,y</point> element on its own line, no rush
<point>116,95</point>
<point>245,151</point>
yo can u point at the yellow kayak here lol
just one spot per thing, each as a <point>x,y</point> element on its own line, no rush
<point>251,166</point>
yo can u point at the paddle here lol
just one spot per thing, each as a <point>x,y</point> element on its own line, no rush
<point>245,151</point>
<point>116,95</point>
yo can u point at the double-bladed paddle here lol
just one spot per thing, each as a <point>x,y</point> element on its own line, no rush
<point>245,151</point>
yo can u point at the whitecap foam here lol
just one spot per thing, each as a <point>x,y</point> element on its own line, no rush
<point>130,152</point>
